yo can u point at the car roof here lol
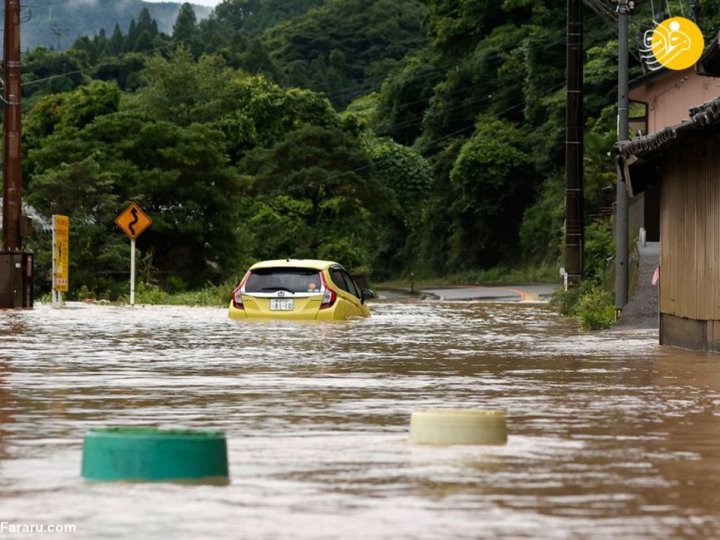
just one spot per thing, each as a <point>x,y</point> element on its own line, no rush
<point>314,264</point>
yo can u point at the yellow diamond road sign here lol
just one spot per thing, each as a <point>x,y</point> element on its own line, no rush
<point>133,221</point>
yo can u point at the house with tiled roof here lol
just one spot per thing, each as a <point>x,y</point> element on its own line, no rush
<point>682,162</point>
<point>660,99</point>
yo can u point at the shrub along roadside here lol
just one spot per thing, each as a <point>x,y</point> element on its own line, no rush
<point>593,305</point>
<point>212,295</point>
<point>590,300</point>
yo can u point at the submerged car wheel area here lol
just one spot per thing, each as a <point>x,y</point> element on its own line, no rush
<point>300,289</point>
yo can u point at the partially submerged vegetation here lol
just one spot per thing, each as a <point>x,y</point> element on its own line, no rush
<point>591,300</point>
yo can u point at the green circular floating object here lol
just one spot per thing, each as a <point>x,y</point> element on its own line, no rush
<point>149,454</point>
<point>458,426</point>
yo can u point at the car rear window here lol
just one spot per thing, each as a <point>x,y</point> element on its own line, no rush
<point>283,279</point>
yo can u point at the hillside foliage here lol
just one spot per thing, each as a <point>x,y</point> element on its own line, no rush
<point>394,136</point>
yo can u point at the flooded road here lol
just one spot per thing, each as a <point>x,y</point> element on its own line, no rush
<point>609,434</point>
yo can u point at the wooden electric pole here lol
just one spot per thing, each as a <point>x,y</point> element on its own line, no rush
<point>15,265</point>
<point>574,226</point>
<point>12,171</point>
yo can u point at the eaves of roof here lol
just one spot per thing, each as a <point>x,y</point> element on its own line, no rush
<point>709,63</point>
<point>701,117</point>
<point>650,76</point>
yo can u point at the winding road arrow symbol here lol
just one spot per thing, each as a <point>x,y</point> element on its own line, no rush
<point>131,225</point>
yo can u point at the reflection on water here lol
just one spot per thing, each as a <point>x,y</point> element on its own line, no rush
<point>609,433</point>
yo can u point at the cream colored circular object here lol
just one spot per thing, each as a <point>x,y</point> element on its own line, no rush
<point>458,426</point>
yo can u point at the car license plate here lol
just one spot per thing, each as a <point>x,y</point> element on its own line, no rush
<point>281,304</point>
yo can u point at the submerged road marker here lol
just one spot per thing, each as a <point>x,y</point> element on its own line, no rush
<point>149,454</point>
<point>458,426</point>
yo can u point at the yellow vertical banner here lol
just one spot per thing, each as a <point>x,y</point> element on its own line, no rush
<point>61,252</point>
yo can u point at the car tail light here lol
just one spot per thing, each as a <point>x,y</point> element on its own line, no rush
<point>237,293</point>
<point>330,295</point>
<point>237,299</point>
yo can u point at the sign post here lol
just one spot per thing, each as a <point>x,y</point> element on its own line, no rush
<point>61,258</point>
<point>133,221</point>
<point>132,271</point>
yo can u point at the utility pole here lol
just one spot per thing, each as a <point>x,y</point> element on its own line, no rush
<point>15,265</point>
<point>574,226</point>
<point>12,175</point>
<point>621,202</point>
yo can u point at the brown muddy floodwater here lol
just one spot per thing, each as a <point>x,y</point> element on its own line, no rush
<point>610,435</point>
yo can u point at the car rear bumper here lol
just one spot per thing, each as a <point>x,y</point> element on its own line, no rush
<point>330,314</point>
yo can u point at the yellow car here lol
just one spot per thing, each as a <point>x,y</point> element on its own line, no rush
<point>301,289</point>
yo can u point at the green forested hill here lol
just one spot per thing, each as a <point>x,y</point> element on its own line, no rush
<point>57,23</point>
<point>395,136</point>
<point>268,13</point>
<point>347,48</point>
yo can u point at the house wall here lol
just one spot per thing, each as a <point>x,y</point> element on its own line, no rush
<point>671,95</point>
<point>690,245</point>
<point>689,333</point>
<point>636,216</point>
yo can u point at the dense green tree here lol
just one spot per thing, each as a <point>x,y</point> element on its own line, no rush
<point>229,17</point>
<point>542,227</point>
<point>254,58</point>
<point>185,26</point>
<point>178,174</point>
<point>600,73</point>
<point>405,172</point>
<point>72,109</point>
<point>84,191</point>
<point>184,91</point>
<point>457,27</point>
<point>321,179</point>
<point>116,41</point>
<point>406,178</point>
<point>144,42</point>
<point>145,22</point>
<point>183,181</point>
<point>405,97</point>
<point>491,180</point>
<point>125,70</point>
<point>129,44</point>
<point>432,240</point>
<point>46,72</point>
<point>268,13</point>
<point>250,110</point>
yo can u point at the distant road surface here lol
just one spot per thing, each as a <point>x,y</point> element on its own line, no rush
<point>506,293</point>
